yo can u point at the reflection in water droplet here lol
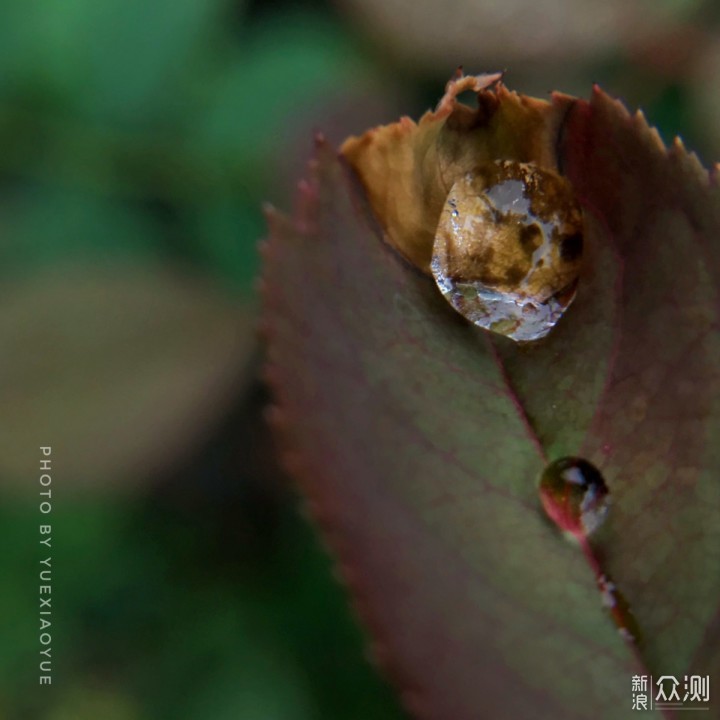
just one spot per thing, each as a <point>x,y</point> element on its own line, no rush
<point>574,495</point>
<point>508,248</point>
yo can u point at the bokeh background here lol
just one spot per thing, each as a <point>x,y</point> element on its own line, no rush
<point>138,141</point>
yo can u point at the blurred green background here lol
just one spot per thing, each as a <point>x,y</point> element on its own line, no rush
<point>138,141</point>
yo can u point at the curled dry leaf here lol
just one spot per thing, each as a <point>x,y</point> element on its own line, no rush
<point>408,168</point>
<point>420,439</point>
<point>473,196</point>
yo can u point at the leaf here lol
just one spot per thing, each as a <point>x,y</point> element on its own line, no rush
<point>419,439</point>
<point>658,211</point>
<point>564,34</point>
<point>121,370</point>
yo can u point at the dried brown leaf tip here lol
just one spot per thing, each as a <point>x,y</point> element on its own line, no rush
<point>473,196</point>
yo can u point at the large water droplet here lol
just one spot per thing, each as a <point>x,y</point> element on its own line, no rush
<point>574,495</point>
<point>508,247</point>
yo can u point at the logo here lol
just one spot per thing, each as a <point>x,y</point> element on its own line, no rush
<point>692,692</point>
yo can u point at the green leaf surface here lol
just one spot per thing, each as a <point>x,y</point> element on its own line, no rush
<point>419,439</point>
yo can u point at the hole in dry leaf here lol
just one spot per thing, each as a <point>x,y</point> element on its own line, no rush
<point>469,98</point>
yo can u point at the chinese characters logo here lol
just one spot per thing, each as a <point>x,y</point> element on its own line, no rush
<point>667,691</point>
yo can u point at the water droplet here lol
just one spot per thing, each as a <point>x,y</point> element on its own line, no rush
<point>574,495</point>
<point>508,248</point>
<point>618,607</point>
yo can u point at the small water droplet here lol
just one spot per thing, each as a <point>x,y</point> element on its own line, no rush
<point>574,495</point>
<point>618,607</point>
<point>508,248</point>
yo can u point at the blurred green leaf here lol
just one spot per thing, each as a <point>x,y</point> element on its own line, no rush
<point>121,60</point>
<point>224,234</point>
<point>255,674</point>
<point>121,368</point>
<point>19,600</point>
<point>288,63</point>
<point>91,700</point>
<point>155,618</point>
<point>44,224</point>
